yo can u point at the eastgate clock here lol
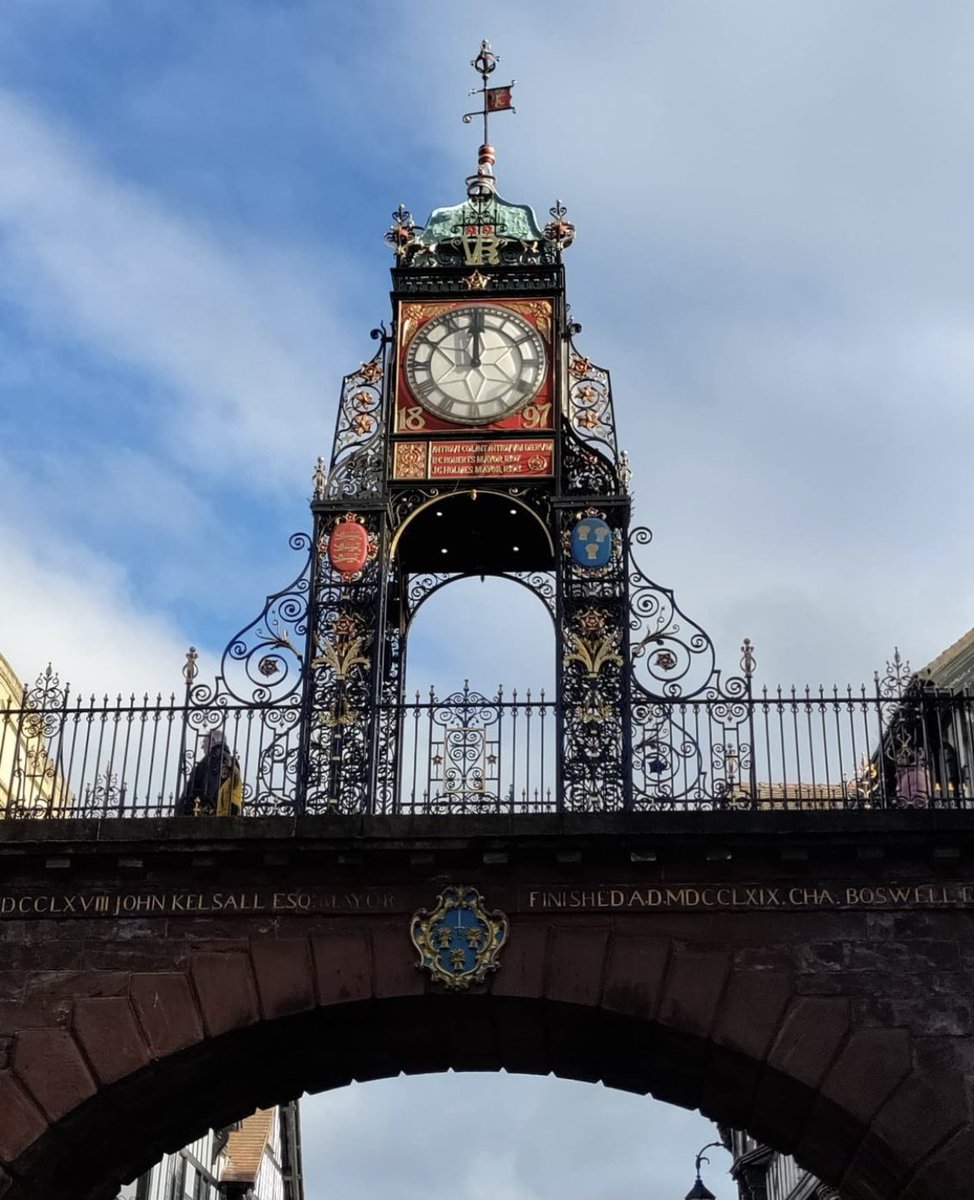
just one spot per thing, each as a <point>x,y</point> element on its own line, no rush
<point>475,364</point>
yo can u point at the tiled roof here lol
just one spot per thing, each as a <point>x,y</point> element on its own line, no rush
<point>954,667</point>
<point>245,1147</point>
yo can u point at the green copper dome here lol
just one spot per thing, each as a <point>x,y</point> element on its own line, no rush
<point>512,222</point>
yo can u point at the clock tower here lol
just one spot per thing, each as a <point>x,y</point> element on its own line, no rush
<point>476,441</point>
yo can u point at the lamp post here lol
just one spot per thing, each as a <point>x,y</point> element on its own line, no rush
<point>700,1191</point>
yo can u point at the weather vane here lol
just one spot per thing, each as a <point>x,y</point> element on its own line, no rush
<point>495,99</point>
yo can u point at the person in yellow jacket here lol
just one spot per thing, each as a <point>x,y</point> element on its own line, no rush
<point>215,786</point>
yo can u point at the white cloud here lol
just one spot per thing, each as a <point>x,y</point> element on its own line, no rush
<point>223,327</point>
<point>60,604</point>
<point>500,1137</point>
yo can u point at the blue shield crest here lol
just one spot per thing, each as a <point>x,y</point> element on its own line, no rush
<point>591,542</point>
<point>459,941</point>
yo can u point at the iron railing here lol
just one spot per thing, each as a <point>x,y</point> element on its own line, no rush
<point>466,753</point>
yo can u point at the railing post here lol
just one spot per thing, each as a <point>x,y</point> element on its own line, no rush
<point>748,663</point>
<point>190,672</point>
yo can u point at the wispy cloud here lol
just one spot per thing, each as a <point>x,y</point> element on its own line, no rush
<point>224,328</point>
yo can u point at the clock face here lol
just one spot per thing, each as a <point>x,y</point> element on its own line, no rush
<point>476,364</point>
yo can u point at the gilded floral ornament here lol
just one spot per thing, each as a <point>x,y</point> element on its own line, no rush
<point>592,644</point>
<point>459,941</point>
<point>345,646</point>
<point>371,372</point>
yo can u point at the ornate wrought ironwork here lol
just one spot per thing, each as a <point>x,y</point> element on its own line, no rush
<point>539,583</point>
<point>45,702</point>
<point>342,692</point>
<point>673,658</point>
<point>466,753</point>
<point>264,662</point>
<point>358,451</point>
<point>593,677</point>
<point>896,679</point>
<point>559,230</point>
<point>590,411</point>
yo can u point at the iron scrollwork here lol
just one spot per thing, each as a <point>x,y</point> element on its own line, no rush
<point>593,669</point>
<point>692,728</point>
<point>590,410</point>
<point>465,753</point>
<point>264,663</point>
<point>358,453</point>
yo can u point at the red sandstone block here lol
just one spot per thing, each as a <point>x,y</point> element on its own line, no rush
<point>21,1121</point>
<point>868,1068</point>
<point>394,960</point>
<point>49,1064</point>
<point>69,985</point>
<point>109,1035</point>
<point>812,1032</point>
<point>522,963</point>
<point>929,1107</point>
<point>226,991</point>
<point>878,1171</point>
<point>634,974</point>
<point>692,989</point>
<point>12,984</point>
<point>167,1012</point>
<point>950,1173</point>
<point>285,980</point>
<point>343,967</point>
<point>751,1010</point>
<point>576,965</point>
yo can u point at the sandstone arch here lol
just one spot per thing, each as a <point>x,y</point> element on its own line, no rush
<point>123,1036</point>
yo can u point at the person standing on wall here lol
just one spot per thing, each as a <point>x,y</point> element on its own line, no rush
<point>215,786</point>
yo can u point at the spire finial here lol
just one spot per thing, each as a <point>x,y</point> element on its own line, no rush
<point>495,99</point>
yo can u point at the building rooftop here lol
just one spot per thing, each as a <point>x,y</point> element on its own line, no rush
<point>953,668</point>
<point>245,1147</point>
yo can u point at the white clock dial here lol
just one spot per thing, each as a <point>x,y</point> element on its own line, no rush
<point>476,364</point>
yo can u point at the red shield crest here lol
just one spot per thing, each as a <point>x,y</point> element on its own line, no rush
<point>348,547</point>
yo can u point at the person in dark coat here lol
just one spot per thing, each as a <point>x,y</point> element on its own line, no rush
<point>215,787</point>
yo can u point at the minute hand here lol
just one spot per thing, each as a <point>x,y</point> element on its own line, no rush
<point>477,329</point>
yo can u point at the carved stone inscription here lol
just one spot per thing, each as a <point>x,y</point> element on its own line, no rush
<point>134,903</point>
<point>618,898</point>
<point>834,895</point>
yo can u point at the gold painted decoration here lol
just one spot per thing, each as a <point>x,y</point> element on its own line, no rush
<point>344,648</point>
<point>593,645</point>
<point>459,941</point>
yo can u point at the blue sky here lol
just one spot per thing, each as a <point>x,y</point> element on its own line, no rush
<point>774,258</point>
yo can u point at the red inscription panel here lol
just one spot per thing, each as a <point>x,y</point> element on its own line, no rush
<point>474,459</point>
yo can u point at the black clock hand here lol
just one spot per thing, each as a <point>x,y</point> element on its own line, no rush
<point>477,328</point>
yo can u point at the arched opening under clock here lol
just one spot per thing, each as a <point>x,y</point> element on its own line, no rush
<point>479,725</point>
<point>476,532</point>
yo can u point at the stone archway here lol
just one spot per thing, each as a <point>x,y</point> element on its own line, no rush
<point>126,1033</point>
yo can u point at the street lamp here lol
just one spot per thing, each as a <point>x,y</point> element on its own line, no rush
<point>700,1191</point>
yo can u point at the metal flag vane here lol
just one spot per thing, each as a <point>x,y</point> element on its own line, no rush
<point>495,99</point>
